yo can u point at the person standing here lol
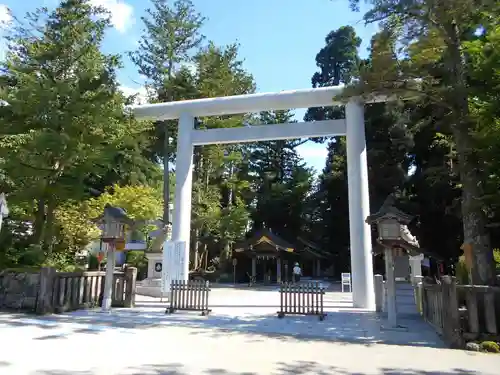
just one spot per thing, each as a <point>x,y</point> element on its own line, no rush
<point>297,272</point>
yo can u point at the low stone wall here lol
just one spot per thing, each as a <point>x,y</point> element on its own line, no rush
<point>19,290</point>
<point>48,291</point>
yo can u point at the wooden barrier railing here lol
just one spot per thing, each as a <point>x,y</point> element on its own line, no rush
<point>69,291</point>
<point>302,299</point>
<point>432,308</point>
<point>461,313</point>
<point>480,311</point>
<point>189,295</point>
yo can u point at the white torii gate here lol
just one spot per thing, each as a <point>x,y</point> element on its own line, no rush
<point>352,126</point>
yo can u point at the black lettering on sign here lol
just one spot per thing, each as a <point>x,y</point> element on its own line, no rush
<point>158,267</point>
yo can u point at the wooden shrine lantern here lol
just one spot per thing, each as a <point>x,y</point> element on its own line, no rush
<point>113,224</point>
<point>392,225</point>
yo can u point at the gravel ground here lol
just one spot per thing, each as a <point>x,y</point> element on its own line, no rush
<point>234,339</point>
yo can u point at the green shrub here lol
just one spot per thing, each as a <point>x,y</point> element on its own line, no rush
<point>490,347</point>
<point>496,258</point>
<point>461,272</point>
<point>138,260</point>
<point>93,262</point>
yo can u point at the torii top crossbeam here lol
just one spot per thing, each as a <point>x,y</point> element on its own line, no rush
<point>236,104</point>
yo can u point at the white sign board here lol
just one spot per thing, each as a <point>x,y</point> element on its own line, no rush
<point>345,278</point>
<point>173,264</point>
<point>137,245</point>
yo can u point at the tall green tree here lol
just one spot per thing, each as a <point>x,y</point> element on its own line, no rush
<point>219,213</point>
<point>387,145</point>
<point>281,183</point>
<point>171,33</point>
<point>338,62</point>
<point>64,118</point>
<point>432,34</point>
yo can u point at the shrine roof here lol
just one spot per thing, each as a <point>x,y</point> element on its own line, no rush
<point>312,248</point>
<point>264,236</point>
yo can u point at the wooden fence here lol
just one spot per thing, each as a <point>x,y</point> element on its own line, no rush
<point>461,313</point>
<point>302,299</point>
<point>56,292</point>
<point>79,290</point>
<point>189,295</point>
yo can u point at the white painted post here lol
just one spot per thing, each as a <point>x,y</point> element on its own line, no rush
<point>379,293</point>
<point>278,270</point>
<point>359,208</point>
<point>181,223</point>
<point>416,268</point>
<point>391,288</point>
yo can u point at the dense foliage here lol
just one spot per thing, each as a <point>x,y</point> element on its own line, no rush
<point>67,147</point>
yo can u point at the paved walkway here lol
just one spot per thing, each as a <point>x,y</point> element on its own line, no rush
<point>241,337</point>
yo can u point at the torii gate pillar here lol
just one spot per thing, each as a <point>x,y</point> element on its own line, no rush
<point>359,208</point>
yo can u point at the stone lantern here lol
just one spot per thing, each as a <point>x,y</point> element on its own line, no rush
<point>151,286</point>
<point>113,224</point>
<point>394,236</point>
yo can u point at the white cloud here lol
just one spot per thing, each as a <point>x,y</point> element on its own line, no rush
<point>121,13</point>
<point>5,22</point>
<point>142,95</point>
<point>314,154</point>
<point>312,150</point>
<point>190,66</point>
<point>5,16</point>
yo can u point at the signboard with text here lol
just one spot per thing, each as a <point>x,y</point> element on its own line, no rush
<point>173,264</point>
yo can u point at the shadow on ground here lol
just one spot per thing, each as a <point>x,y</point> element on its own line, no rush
<point>344,325</point>
<point>295,368</point>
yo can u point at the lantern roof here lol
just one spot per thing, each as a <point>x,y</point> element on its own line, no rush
<point>388,210</point>
<point>117,213</point>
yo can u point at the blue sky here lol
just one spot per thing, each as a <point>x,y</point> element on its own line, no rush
<point>278,39</point>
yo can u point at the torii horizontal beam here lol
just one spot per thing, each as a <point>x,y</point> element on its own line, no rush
<point>258,133</point>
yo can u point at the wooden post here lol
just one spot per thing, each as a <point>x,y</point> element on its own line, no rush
<point>44,300</point>
<point>419,297</point>
<point>489,311</point>
<point>278,270</point>
<point>451,315</point>
<point>391,288</point>
<point>130,284</point>
<point>254,267</point>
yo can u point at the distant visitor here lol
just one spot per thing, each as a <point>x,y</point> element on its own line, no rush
<point>297,272</point>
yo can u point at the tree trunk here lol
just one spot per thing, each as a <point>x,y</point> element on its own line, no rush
<point>48,240</point>
<point>473,216</point>
<point>196,249</point>
<point>39,222</point>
